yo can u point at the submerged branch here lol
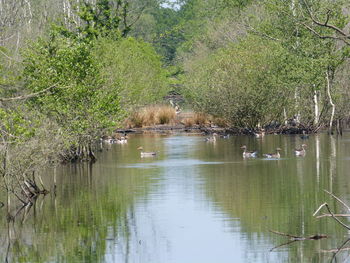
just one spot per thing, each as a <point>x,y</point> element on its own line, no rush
<point>293,238</point>
<point>332,215</point>
<point>338,199</point>
<point>336,215</point>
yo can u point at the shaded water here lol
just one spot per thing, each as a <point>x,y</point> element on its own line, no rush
<point>195,202</point>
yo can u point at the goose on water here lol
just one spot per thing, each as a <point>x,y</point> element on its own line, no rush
<point>211,138</point>
<point>260,134</point>
<point>248,154</point>
<point>300,152</point>
<point>274,155</point>
<point>146,154</point>
<point>121,140</point>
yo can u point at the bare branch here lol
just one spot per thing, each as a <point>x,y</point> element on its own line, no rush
<point>284,234</point>
<point>335,250</point>
<point>325,24</point>
<point>337,215</point>
<point>138,16</point>
<point>261,33</point>
<point>24,97</point>
<point>339,249</point>
<point>324,36</point>
<point>336,198</point>
<point>333,216</point>
<point>8,57</point>
<point>296,238</point>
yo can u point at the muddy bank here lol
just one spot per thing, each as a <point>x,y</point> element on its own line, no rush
<point>166,129</point>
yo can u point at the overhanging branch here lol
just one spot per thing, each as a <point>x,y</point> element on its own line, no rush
<point>343,35</point>
<point>24,97</point>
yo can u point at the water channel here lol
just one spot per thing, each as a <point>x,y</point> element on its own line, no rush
<point>195,201</point>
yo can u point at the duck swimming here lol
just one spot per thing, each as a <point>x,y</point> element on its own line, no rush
<point>212,138</point>
<point>260,134</point>
<point>146,154</point>
<point>121,140</point>
<point>248,154</point>
<point>300,152</point>
<point>274,155</point>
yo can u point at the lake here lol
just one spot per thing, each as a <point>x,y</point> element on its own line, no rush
<point>196,201</point>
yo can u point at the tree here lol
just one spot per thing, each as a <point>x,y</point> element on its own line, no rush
<point>79,102</point>
<point>244,83</point>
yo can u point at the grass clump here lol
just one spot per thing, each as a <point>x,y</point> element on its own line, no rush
<point>151,115</point>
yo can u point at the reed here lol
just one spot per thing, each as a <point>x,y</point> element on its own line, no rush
<point>151,115</point>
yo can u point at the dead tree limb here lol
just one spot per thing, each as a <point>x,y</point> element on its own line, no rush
<point>338,199</point>
<point>342,35</point>
<point>340,248</point>
<point>284,234</point>
<point>333,216</point>
<point>334,250</point>
<point>293,238</point>
<point>24,97</point>
<point>336,215</point>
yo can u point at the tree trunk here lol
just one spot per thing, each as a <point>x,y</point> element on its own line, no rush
<point>285,117</point>
<point>316,107</point>
<point>329,85</point>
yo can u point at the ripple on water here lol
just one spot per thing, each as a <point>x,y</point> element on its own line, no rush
<point>170,163</point>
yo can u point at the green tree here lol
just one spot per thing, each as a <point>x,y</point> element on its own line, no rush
<point>134,69</point>
<point>244,83</point>
<point>79,100</point>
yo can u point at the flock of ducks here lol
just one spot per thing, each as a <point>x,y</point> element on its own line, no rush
<point>123,140</point>
<point>117,140</point>
<point>276,155</point>
<point>253,154</point>
<point>246,154</point>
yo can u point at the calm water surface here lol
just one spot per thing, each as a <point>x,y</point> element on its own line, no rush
<point>195,202</point>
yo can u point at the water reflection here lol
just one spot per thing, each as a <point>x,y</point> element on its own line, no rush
<point>194,202</point>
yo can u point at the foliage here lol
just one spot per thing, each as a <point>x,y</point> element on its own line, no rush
<point>134,68</point>
<point>78,101</point>
<point>242,83</point>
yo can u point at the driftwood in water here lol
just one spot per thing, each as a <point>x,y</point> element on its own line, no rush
<point>299,238</point>
<point>293,238</point>
<point>336,215</point>
<point>331,214</point>
<point>337,250</point>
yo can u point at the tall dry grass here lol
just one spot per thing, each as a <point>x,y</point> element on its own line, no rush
<point>163,114</point>
<point>151,115</point>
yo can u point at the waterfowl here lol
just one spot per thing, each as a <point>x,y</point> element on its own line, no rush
<point>274,155</point>
<point>211,138</point>
<point>260,134</point>
<point>146,154</point>
<point>108,139</point>
<point>225,136</point>
<point>248,154</point>
<point>304,136</point>
<point>121,140</point>
<point>300,152</point>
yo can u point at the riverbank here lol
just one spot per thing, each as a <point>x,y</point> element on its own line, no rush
<point>179,128</point>
<point>149,120</point>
